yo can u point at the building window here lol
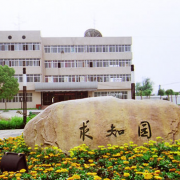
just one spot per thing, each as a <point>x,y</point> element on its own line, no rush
<point>89,78</point>
<point>19,46</point>
<point>18,98</point>
<point>9,37</point>
<point>33,77</point>
<point>20,62</point>
<point>19,77</point>
<point>86,48</point>
<point>87,63</point>
<point>117,94</point>
<point>29,97</point>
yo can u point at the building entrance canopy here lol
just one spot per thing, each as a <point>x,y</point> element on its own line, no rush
<point>66,86</point>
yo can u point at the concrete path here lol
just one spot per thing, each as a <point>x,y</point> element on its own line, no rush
<point>10,133</point>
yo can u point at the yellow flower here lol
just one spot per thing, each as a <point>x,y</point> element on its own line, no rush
<point>58,171</point>
<point>157,171</point>
<point>64,170</point>
<point>126,175</point>
<point>90,160</point>
<point>123,158</point>
<point>92,164</point>
<point>157,177</point>
<point>105,156</point>
<point>159,137</point>
<point>116,155</point>
<point>126,162</point>
<point>5,177</point>
<point>145,164</point>
<point>86,165</point>
<point>76,176</point>
<point>92,174</point>
<point>18,175</point>
<point>97,178</point>
<point>147,175</point>
<point>22,170</point>
<point>90,152</point>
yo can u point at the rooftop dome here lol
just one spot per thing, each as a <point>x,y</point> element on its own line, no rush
<point>92,33</point>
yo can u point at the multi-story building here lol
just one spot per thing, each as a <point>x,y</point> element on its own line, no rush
<point>66,68</point>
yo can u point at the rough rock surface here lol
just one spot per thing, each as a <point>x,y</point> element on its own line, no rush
<point>103,120</point>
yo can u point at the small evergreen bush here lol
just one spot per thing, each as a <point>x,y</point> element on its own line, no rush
<point>14,123</point>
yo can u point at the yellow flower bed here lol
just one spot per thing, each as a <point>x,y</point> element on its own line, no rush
<point>153,160</point>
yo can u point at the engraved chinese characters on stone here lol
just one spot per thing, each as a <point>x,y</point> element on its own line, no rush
<point>84,130</point>
<point>144,129</point>
<point>113,131</point>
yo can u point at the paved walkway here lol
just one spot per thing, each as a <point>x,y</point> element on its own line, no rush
<point>10,133</point>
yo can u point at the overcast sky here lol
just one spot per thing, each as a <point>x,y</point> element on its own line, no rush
<point>154,26</point>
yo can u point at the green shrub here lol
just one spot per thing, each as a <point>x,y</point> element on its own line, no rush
<point>31,115</point>
<point>4,124</point>
<point>15,122</point>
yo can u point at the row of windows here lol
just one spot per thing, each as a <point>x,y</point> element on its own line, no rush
<point>87,63</point>
<point>86,48</point>
<point>19,98</point>
<point>19,46</point>
<point>89,78</point>
<point>20,62</point>
<point>117,94</point>
<point>30,77</point>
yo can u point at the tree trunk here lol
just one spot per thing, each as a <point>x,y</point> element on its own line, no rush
<point>171,99</point>
<point>5,104</point>
<point>176,99</point>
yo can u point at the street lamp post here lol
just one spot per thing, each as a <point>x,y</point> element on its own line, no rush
<point>132,83</point>
<point>24,97</point>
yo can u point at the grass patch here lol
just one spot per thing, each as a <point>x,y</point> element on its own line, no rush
<point>15,122</point>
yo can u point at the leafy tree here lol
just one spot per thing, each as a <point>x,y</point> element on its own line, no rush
<point>176,95</point>
<point>169,92</point>
<point>138,89</point>
<point>147,92</point>
<point>9,86</point>
<point>145,88</point>
<point>161,93</point>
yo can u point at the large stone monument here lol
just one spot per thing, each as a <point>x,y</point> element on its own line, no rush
<point>101,121</point>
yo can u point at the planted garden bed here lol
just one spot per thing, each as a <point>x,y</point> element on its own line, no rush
<point>153,160</point>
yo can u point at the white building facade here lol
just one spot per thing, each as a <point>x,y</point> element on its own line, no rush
<point>67,68</point>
